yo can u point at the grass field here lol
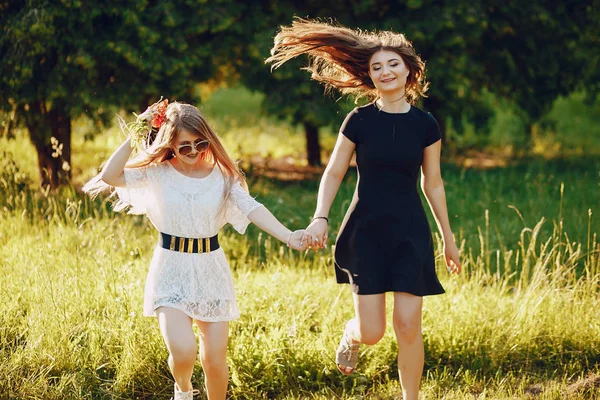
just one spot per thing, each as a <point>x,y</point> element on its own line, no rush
<point>521,322</point>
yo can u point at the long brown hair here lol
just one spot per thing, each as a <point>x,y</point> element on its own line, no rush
<point>339,57</point>
<point>180,116</point>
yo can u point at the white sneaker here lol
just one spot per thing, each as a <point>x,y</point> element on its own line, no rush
<point>179,395</point>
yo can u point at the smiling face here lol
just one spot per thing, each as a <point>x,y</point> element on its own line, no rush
<point>183,141</point>
<point>388,71</point>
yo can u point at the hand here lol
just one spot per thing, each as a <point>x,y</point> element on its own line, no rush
<point>148,114</point>
<point>156,110</point>
<point>296,241</point>
<point>452,257</point>
<point>316,234</point>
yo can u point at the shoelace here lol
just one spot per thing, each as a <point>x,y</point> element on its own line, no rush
<point>190,395</point>
<point>350,349</point>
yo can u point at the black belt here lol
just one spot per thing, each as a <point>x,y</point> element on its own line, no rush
<point>188,245</point>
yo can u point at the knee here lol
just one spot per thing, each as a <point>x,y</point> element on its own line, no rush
<point>370,335</point>
<point>213,360</point>
<point>184,355</point>
<point>407,331</point>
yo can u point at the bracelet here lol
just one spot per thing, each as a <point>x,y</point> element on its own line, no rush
<point>325,218</point>
<point>290,238</point>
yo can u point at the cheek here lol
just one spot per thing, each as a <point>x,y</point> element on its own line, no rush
<point>374,75</point>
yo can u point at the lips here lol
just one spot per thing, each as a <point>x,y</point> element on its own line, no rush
<point>388,80</point>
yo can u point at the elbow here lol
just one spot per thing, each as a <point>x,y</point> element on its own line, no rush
<point>107,178</point>
<point>333,175</point>
<point>430,188</point>
<point>255,214</point>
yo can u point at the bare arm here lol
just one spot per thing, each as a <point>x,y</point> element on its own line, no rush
<point>112,173</point>
<point>328,188</point>
<point>266,221</point>
<point>433,188</point>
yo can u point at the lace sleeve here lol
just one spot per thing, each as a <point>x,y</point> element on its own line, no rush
<point>239,205</point>
<point>135,193</point>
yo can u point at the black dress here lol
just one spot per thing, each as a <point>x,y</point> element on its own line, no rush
<point>384,243</point>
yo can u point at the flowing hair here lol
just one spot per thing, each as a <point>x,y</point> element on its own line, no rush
<point>338,57</point>
<point>179,116</point>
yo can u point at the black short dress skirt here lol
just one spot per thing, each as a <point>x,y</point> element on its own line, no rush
<point>385,243</point>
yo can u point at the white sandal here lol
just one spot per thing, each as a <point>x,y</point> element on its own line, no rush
<point>346,355</point>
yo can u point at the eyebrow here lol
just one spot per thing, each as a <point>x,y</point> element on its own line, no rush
<point>392,59</point>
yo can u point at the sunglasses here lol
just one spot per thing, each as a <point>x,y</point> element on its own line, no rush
<point>200,146</point>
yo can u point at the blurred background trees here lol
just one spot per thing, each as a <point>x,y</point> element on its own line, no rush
<point>61,61</point>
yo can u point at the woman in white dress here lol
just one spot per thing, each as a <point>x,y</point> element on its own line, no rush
<point>189,188</point>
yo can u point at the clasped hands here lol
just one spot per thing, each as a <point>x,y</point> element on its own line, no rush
<point>313,237</point>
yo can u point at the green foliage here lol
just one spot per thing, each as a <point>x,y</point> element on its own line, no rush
<point>527,54</point>
<point>63,60</point>
<point>89,55</point>
<point>573,122</point>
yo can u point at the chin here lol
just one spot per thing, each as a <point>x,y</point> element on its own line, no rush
<point>190,161</point>
<point>391,90</point>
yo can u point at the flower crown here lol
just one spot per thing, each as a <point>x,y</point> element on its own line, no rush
<point>154,115</point>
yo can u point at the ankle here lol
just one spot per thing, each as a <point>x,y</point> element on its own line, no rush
<point>184,387</point>
<point>351,332</point>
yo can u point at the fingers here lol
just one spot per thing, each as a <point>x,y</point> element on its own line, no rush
<point>453,267</point>
<point>308,239</point>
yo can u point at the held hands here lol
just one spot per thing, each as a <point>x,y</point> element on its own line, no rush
<point>296,240</point>
<point>314,237</point>
<point>316,234</point>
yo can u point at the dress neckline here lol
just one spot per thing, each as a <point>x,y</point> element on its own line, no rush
<point>380,110</point>
<point>191,177</point>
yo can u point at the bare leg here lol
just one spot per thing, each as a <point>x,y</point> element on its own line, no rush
<point>177,332</point>
<point>368,325</point>
<point>407,326</point>
<point>213,355</point>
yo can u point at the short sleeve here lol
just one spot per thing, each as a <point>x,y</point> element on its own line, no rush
<point>135,193</point>
<point>349,127</point>
<point>239,205</point>
<point>433,131</point>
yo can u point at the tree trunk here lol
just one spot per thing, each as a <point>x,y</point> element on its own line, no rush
<point>313,147</point>
<point>10,123</point>
<point>50,133</point>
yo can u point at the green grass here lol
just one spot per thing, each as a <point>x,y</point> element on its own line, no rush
<point>521,319</point>
<point>71,324</point>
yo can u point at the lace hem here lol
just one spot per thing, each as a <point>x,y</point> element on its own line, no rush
<point>194,312</point>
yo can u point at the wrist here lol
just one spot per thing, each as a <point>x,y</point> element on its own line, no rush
<point>319,217</point>
<point>448,238</point>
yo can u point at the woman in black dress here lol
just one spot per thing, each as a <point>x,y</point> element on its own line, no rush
<point>384,244</point>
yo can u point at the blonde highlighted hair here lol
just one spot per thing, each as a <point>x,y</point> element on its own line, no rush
<point>339,57</point>
<point>180,116</point>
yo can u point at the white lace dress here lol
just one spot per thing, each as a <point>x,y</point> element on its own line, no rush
<point>199,284</point>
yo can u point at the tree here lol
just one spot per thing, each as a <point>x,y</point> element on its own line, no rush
<point>527,53</point>
<point>289,93</point>
<point>61,60</point>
